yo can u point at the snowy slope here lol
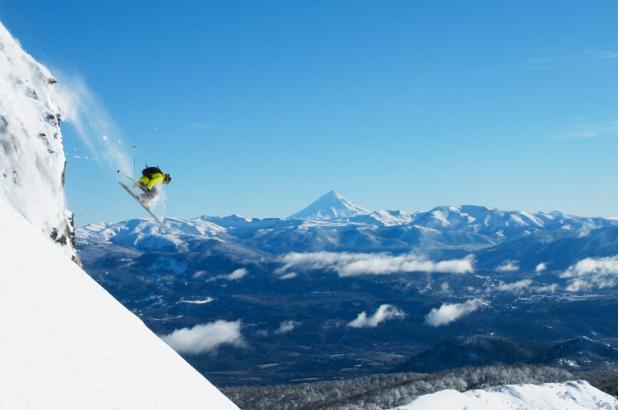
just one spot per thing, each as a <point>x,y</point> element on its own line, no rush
<point>67,344</point>
<point>31,154</point>
<point>331,205</point>
<point>574,395</point>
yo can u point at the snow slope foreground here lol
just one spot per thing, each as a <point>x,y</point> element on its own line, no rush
<point>32,158</point>
<point>67,344</point>
<point>574,395</point>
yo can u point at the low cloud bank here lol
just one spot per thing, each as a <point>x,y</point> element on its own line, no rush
<point>205,338</point>
<point>384,312</point>
<point>592,273</point>
<point>356,264</point>
<point>450,312</point>
<point>523,286</point>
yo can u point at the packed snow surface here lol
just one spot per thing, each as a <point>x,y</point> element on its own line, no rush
<point>575,395</point>
<point>67,344</point>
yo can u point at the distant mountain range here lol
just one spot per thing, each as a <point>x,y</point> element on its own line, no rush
<point>332,223</point>
<point>354,290</point>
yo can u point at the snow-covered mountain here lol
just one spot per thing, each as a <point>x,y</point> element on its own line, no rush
<point>333,223</point>
<point>32,158</point>
<point>331,205</point>
<point>65,343</point>
<point>499,223</point>
<point>574,395</point>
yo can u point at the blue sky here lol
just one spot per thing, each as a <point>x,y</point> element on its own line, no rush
<point>259,107</point>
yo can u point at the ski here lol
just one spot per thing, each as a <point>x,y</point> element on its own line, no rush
<point>156,218</point>
<point>126,176</point>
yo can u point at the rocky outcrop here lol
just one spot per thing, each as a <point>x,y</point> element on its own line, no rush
<point>32,159</point>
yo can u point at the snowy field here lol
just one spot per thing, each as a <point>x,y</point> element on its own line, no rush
<point>576,395</point>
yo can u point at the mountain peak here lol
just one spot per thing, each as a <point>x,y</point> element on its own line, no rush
<point>331,205</point>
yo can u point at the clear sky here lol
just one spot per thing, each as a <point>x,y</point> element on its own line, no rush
<point>259,107</point>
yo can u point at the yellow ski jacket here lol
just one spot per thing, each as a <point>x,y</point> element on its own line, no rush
<point>154,179</point>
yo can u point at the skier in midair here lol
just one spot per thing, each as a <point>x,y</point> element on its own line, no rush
<point>151,177</point>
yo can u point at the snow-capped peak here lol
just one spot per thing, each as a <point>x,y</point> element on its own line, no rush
<point>331,205</point>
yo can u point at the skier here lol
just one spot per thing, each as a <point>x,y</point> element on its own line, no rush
<point>151,176</point>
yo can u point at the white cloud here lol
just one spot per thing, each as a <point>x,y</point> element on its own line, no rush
<point>444,287</point>
<point>541,267</point>
<point>287,326</point>
<point>205,338</point>
<point>289,275</point>
<point>521,286</point>
<point>237,274</point>
<point>199,274</point>
<point>592,273</point>
<point>356,264</point>
<point>514,287</point>
<point>508,266</point>
<point>545,289</point>
<point>590,130</point>
<point>196,301</point>
<point>449,312</point>
<point>384,312</point>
